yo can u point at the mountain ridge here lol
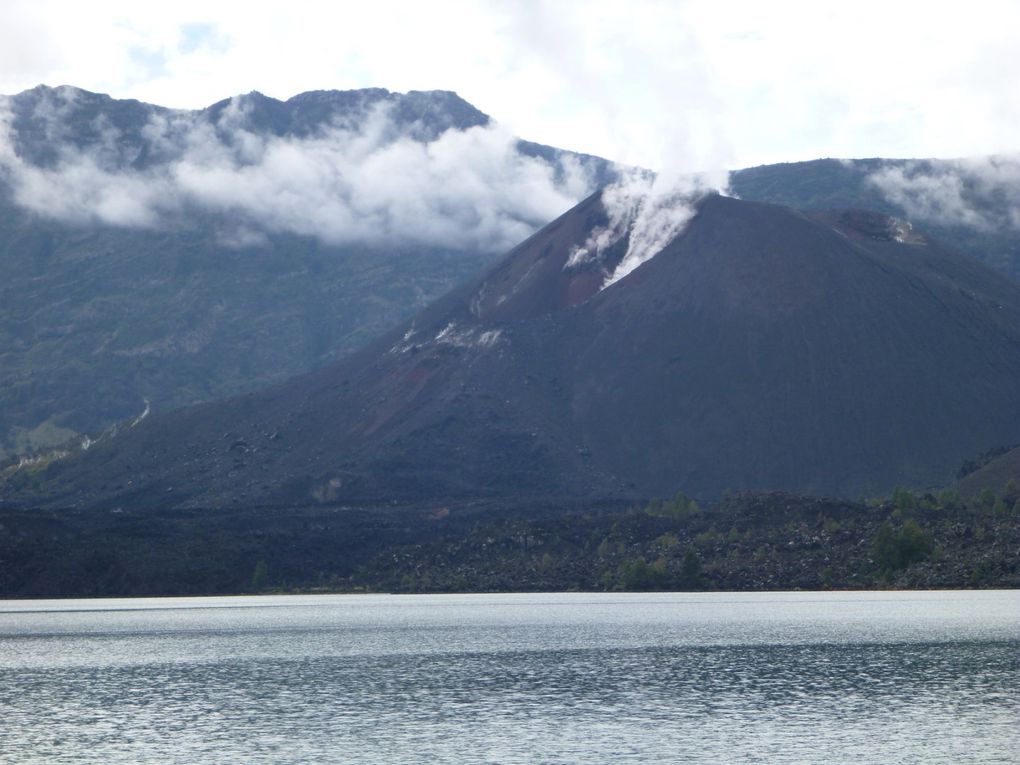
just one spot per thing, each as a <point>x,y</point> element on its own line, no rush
<point>204,303</point>
<point>101,317</point>
<point>762,349</point>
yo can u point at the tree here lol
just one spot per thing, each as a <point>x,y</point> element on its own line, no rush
<point>904,499</point>
<point>949,499</point>
<point>915,544</point>
<point>690,568</point>
<point>259,576</point>
<point>636,575</point>
<point>986,499</point>
<point>1011,492</point>
<point>884,548</point>
<point>897,549</point>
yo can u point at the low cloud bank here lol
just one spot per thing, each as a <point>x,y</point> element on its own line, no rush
<point>981,193</point>
<point>367,182</point>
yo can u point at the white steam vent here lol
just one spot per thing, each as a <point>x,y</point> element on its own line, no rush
<point>651,210</point>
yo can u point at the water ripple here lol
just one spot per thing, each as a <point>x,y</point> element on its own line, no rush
<point>553,679</point>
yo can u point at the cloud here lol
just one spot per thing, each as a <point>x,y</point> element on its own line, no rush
<point>980,193</point>
<point>739,82</point>
<point>634,77</point>
<point>365,182</point>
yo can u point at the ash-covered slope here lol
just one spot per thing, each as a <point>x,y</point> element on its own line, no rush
<point>183,256</point>
<point>762,348</point>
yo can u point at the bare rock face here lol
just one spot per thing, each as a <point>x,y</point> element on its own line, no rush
<point>761,349</point>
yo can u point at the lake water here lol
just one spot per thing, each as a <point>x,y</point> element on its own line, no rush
<point>906,677</point>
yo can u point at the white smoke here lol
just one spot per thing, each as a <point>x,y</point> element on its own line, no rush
<point>980,193</point>
<point>650,210</point>
<point>467,189</point>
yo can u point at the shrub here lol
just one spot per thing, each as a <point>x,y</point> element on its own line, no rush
<point>690,568</point>
<point>895,549</point>
<point>904,499</point>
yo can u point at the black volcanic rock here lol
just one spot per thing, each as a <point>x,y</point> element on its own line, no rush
<point>838,353</point>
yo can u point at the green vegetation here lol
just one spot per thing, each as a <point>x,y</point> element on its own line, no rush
<point>690,569</point>
<point>260,576</point>
<point>896,549</point>
<point>679,508</point>
<point>904,499</point>
<point>180,318</point>
<point>748,542</point>
<point>46,435</point>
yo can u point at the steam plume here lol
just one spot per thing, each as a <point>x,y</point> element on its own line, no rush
<point>650,210</point>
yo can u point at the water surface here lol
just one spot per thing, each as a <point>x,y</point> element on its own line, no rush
<point>930,677</point>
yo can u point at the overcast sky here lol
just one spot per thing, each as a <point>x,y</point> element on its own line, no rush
<point>671,85</point>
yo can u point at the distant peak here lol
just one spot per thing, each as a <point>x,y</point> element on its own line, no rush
<point>445,95</point>
<point>63,91</point>
<point>415,104</point>
<point>329,96</point>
